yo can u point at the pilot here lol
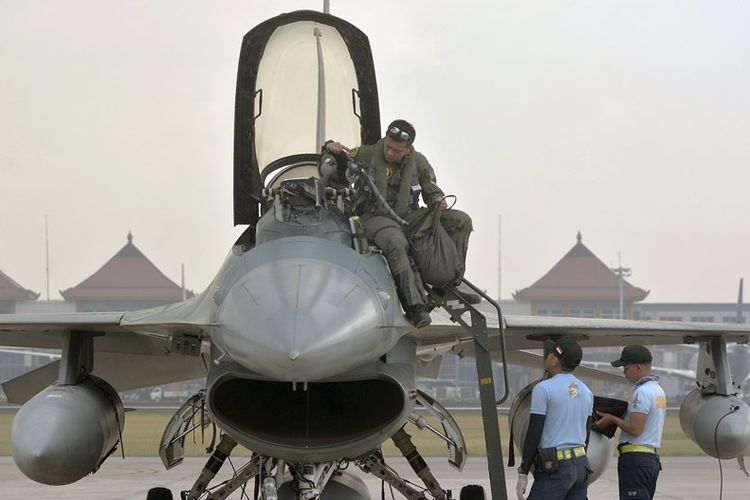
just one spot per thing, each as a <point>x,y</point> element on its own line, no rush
<point>558,433</point>
<point>393,163</point>
<point>640,438</point>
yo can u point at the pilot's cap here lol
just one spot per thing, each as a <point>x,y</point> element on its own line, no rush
<point>566,349</point>
<point>633,354</point>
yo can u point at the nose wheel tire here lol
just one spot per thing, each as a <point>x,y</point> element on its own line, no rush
<point>160,494</point>
<point>472,492</point>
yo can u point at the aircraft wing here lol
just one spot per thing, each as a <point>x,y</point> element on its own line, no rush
<point>658,370</point>
<point>120,330</point>
<point>45,330</point>
<point>132,349</point>
<point>528,332</point>
<point>585,369</point>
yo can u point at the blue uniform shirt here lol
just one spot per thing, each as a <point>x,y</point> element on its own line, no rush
<point>566,403</point>
<point>648,397</point>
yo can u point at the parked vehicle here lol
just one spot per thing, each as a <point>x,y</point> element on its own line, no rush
<point>160,393</point>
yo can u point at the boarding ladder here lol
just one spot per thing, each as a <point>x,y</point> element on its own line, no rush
<point>456,306</point>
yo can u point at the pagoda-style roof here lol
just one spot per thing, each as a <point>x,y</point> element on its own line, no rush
<point>580,276</point>
<point>10,291</point>
<point>129,275</point>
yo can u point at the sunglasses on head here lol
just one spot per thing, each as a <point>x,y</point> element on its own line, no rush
<point>397,134</point>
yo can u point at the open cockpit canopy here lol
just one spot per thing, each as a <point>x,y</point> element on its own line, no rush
<point>303,78</point>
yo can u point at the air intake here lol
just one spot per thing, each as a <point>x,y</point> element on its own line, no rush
<point>333,418</point>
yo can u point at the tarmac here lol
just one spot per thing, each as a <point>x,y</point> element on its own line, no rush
<point>682,478</point>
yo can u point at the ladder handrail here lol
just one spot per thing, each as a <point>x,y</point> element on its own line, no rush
<point>501,327</point>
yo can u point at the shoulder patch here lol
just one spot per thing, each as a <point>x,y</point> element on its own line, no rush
<point>573,390</point>
<point>431,173</point>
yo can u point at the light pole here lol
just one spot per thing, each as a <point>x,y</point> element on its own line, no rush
<point>622,273</point>
<point>499,260</point>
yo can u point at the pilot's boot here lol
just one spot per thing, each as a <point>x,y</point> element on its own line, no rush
<point>411,300</point>
<point>418,315</point>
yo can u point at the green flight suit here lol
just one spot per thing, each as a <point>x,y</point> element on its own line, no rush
<point>399,189</point>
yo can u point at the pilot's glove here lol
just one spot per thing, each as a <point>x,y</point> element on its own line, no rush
<point>523,480</point>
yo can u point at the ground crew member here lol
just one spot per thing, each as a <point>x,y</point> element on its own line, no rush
<point>400,173</point>
<point>559,424</point>
<point>640,436</point>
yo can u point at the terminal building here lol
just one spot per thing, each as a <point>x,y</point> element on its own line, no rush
<point>11,294</point>
<point>127,281</point>
<point>582,286</point>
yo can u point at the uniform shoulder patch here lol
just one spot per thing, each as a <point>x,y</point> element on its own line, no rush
<point>431,173</point>
<point>573,390</point>
<point>661,403</point>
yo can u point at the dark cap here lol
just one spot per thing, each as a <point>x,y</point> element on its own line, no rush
<point>633,354</point>
<point>567,350</point>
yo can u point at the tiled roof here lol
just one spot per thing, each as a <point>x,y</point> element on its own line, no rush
<point>580,276</point>
<point>129,275</point>
<point>12,291</point>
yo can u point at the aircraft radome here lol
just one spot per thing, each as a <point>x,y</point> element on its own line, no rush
<point>308,359</point>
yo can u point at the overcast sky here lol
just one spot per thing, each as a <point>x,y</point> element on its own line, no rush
<point>627,120</point>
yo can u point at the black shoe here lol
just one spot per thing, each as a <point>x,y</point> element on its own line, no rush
<point>418,315</point>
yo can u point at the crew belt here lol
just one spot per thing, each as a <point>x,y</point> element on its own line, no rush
<point>633,448</point>
<point>571,452</point>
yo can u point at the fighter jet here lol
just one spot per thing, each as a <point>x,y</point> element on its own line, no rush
<point>309,361</point>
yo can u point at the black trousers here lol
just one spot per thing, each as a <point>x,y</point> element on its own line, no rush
<point>569,482</point>
<point>637,473</point>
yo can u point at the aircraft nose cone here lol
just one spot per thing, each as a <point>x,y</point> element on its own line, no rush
<point>301,319</point>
